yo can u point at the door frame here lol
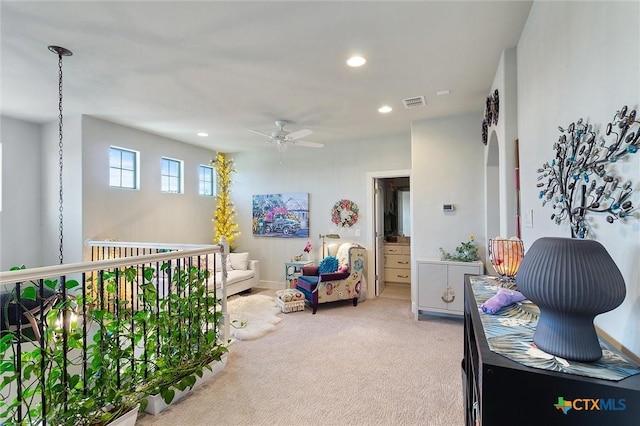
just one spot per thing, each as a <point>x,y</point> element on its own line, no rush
<point>371,226</point>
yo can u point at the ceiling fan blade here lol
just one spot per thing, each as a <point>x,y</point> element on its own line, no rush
<point>266,135</point>
<point>307,144</point>
<point>299,134</point>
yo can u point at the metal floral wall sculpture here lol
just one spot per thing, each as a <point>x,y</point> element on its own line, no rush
<point>580,179</point>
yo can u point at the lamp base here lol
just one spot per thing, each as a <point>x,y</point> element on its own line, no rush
<point>571,336</point>
<point>507,282</point>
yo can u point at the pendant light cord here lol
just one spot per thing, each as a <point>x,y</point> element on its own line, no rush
<point>60,51</point>
<point>60,162</point>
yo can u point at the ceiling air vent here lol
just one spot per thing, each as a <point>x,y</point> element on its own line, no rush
<point>415,102</point>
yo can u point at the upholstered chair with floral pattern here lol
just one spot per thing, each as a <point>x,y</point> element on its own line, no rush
<point>339,277</point>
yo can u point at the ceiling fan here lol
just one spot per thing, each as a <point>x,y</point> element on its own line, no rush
<point>282,137</point>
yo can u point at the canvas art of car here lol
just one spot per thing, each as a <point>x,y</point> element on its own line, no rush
<point>281,215</point>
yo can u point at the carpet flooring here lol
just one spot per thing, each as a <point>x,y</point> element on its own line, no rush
<point>253,316</point>
<point>367,365</point>
<point>397,291</point>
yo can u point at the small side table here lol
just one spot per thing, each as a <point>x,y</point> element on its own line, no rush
<point>292,270</point>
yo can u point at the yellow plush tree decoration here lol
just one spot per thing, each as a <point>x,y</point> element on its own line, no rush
<point>224,216</point>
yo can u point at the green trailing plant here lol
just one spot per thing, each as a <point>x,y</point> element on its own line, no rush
<point>178,358</point>
<point>91,370</point>
<point>24,353</point>
<point>465,252</point>
<point>66,375</point>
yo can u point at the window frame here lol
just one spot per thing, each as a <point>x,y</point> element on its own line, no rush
<point>211,184</point>
<point>135,171</point>
<point>170,177</point>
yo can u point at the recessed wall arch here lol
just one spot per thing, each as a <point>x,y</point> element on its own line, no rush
<point>492,185</point>
<point>500,154</point>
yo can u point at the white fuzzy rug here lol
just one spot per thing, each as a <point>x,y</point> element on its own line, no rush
<point>258,311</point>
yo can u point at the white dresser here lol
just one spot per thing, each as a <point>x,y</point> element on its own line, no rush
<point>397,263</point>
<point>440,285</point>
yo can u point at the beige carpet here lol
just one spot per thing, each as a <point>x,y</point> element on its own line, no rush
<point>397,291</point>
<point>368,365</point>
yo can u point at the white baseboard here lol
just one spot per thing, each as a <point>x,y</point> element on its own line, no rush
<point>272,285</point>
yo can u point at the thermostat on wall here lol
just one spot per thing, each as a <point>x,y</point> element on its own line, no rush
<point>448,207</point>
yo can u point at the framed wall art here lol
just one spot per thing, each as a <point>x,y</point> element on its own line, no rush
<point>281,215</point>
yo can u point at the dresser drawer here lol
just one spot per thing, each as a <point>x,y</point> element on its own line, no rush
<point>396,249</point>
<point>394,275</point>
<point>401,261</point>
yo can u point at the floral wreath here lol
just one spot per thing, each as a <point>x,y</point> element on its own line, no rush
<point>344,213</point>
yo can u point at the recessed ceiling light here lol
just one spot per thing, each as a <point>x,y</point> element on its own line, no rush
<point>385,109</point>
<point>203,134</point>
<point>356,61</point>
<point>443,92</point>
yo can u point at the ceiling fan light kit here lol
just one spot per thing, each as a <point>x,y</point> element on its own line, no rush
<point>282,138</point>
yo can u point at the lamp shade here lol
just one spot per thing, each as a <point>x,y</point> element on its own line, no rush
<point>571,281</point>
<point>331,236</point>
<point>506,256</point>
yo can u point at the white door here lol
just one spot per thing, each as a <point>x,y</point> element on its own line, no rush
<point>378,202</point>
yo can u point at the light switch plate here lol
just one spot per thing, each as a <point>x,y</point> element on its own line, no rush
<point>527,218</point>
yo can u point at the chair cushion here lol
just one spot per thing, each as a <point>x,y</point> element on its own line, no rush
<point>307,281</point>
<point>328,264</point>
<point>310,270</point>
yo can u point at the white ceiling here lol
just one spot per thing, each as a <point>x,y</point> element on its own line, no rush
<point>176,68</point>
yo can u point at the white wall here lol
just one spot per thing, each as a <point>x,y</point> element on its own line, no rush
<point>29,222</point>
<point>337,171</point>
<point>580,59</point>
<point>146,214</point>
<point>71,194</point>
<point>447,165</point>
<point>20,224</point>
<point>501,205</point>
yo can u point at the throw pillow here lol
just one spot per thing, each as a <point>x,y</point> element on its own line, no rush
<point>328,265</point>
<point>214,259</point>
<point>239,261</point>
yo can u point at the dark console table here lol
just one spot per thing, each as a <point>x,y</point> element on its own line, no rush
<point>499,391</point>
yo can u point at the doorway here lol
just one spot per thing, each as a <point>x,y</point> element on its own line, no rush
<point>390,225</point>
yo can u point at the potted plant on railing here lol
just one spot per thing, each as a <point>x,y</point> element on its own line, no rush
<point>112,365</point>
<point>170,341</point>
<point>94,369</point>
<point>64,376</point>
<point>179,360</point>
<point>53,374</point>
